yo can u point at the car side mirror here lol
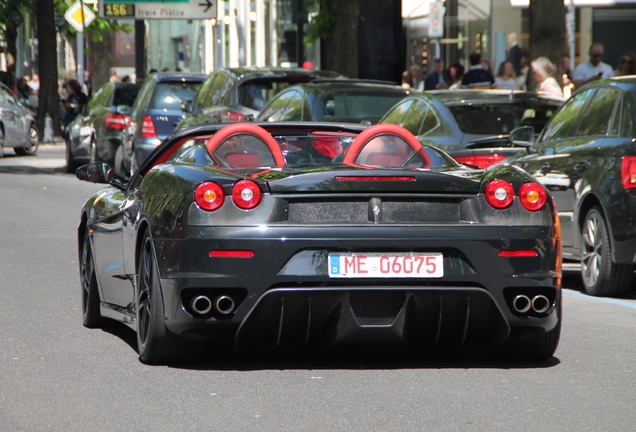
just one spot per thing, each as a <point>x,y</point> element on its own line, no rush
<point>98,172</point>
<point>522,136</point>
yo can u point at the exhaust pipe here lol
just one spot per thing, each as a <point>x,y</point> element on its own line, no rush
<point>521,304</point>
<point>224,305</point>
<point>540,304</point>
<point>201,304</point>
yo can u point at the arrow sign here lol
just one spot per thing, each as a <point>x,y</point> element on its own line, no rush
<point>207,3</point>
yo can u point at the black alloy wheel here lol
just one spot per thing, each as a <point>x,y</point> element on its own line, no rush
<point>31,145</point>
<point>601,277</point>
<point>90,295</point>
<point>1,142</point>
<point>155,343</point>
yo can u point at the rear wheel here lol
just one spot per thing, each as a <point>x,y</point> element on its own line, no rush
<point>71,163</point>
<point>31,146</point>
<point>1,142</point>
<point>601,277</point>
<point>155,343</point>
<point>90,295</point>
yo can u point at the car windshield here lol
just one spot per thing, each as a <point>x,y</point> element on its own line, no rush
<point>357,106</point>
<point>170,95</point>
<point>496,119</point>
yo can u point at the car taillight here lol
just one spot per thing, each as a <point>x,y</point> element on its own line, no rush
<point>246,194</point>
<point>232,117</point>
<point>116,121</point>
<point>499,194</point>
<point>480,161</point>
<point>148,128</point>
<point>532,196</point>
<point>628,172</point>
<point>209,196</point>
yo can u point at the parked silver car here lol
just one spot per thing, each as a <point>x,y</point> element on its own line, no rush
<point>17,125</point>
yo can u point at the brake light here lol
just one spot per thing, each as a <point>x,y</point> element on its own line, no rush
<point>480,161</point>
<point>116,121</point>
<point>148,128</point>
<point>532,196</point>
<point>209,196</point>
<point>375,178</point>
<point>628,172</point>
<point>499,194</point>
<point>246,194</point>
<point>232,117</point>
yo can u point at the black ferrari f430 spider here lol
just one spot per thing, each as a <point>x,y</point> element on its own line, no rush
<point>295,235</point>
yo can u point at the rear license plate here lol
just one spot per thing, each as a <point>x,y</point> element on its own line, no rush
<point>390,265</point>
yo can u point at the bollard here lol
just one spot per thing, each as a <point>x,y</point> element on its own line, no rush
<point>48,129</point>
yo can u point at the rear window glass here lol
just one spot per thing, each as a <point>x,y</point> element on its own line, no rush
<point>170,95</point>
<point>495,119</point>
<point>125,95</point>
<point>256,93</point>
<point>355,106</point>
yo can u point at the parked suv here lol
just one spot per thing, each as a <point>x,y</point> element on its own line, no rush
<point>96,134</point>
<point>156,111</point>
<point>237,94</point>
<point>587,154</point>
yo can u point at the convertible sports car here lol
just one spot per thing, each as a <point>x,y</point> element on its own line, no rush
<point>294,235</point>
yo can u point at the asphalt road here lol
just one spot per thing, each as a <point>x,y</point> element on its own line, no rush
<point>56,375</point>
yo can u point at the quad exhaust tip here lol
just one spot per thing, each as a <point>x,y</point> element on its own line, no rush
<point>202,305</point>
<point>521,304</point>
<point>224,305</point>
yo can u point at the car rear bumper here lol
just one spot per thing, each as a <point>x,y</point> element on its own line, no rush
<point>284,297</point>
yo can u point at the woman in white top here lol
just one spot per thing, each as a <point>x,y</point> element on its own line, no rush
<point>506,77</point>
<point>544,70</point>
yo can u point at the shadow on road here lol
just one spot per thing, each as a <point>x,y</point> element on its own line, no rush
<point>206,356</point>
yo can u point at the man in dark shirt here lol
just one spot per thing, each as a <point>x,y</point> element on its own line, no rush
<point>439,78</point>
<point>477,77</point>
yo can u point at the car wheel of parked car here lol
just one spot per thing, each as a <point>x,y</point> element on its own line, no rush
<point>601,277</point>
<point>155,343</point>
<point>31,146</point>
<point>1,142</point>
<point>90,296</point>
<point>120,168</point>
<point>71,163</point>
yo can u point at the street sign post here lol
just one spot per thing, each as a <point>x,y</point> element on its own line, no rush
<point>158,9</point>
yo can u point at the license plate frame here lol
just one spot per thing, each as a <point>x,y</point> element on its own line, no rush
<point>419,265</point>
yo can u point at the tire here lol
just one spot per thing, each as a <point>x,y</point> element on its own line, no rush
<point>1,142</point>
<point>31,147</point>
<point>90,294</point>
<point>120,168</point>
<point>155,343</point>
<point>601,277</point>
<point>71,163</point>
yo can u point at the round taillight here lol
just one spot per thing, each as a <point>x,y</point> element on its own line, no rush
<point>532,196</point>
<point>209,196</point>
<point>246,194</point>
<point>499,194</point>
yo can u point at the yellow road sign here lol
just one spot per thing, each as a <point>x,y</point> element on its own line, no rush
<point>79,17</point>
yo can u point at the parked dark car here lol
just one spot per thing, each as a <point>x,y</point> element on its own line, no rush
<point>587,154</point>
<point>96,134</point>
<point>341,100</point>
<point>473,125</point>
<point>17,125</point>
<point>158,109</point>
<point>240,235</point>
<point>237,94</point>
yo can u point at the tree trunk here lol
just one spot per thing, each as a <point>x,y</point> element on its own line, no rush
<point>547,31</point>
<point>342,43</point>
<point>101,60</point>
<point>47,65</point>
